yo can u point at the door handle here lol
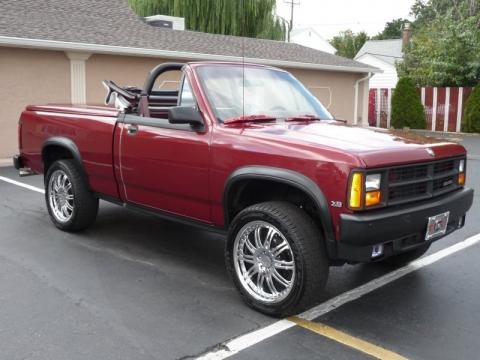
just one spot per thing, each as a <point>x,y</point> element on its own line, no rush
<point>132,129</point>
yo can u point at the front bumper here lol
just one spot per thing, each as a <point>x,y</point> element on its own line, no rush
<point>400,229</point>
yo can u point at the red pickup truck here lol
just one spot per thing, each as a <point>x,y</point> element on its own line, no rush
<point>246,149</point>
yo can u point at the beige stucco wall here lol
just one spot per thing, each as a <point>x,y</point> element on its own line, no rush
<point>36,77</point>
<point>123,70</point>
<point>28,77</point>
<point>334,89</point>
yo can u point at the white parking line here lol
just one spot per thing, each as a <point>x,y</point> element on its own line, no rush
<point>26,186</point>
<point>243,342</point>
<point>234,346</point>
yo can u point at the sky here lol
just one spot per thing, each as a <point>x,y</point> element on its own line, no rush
<point>330,17</point>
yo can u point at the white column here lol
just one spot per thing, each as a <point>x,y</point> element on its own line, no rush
<point>389,104</point>
<point>434,109</point>
<point>78,77</point>
<point>423,96</point>
<point>447,109</point>
<point>459,109</point>
<point>365,100</point>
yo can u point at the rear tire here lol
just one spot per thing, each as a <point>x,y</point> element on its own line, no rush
<point>286,270</point>
<point>70,204</point>
<point>406,257</point>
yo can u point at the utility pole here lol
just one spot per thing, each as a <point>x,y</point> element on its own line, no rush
<point>292,4</point>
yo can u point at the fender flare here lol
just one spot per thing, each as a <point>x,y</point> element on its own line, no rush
<point>67,144</point>
<point>291,178</point>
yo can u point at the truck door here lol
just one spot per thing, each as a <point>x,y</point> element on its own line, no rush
<point>164,166</point>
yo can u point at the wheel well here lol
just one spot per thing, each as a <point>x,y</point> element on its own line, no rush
<point>52,153</point>
<point>244,193</point>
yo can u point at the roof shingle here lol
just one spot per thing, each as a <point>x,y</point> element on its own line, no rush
<point>113,23</point>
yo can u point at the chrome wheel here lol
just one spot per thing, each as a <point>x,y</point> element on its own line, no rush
<point>264,262</point>
<point>60,196</point>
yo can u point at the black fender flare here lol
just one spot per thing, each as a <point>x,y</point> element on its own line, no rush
<point>67,144</point>
<point>291,178</point>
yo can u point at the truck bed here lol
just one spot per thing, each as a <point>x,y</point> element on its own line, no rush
<point>90,129</point>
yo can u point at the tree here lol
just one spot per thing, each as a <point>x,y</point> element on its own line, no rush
<point>407,108</point>
<point>445,47</point>
<point>427,11</point>
<point>250,18</point>
<point>348,44</point>
<point>471,116</point>
<point>393,30</point>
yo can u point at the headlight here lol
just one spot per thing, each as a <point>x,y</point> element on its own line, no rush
<point>365,190</point>
<point>373,181</point>
<point>461,172</point>
<point>356,191</point>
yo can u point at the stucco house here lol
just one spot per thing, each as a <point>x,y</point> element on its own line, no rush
<point>382,54</point>
<point>59,51</point>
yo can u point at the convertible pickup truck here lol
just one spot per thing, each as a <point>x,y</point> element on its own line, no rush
<point>249,151</point>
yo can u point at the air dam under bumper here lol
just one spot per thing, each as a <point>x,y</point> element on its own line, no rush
<point>399,229</point>
<point>17,162</point>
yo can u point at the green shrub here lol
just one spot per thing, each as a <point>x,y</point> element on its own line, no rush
<point>471,115</point>
<point>407,108</point>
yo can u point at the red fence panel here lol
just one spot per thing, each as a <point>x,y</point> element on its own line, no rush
<point>429,106</point>
<point>384,108</point>
<point>453,109</point>
<point>444,107</point>
<point>440,109</point>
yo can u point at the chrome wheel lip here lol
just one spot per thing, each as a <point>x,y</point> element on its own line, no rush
<point>60,196</point>
<point>265,269</point>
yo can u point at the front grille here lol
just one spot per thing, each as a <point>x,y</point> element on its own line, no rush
<point>421,181</point>
<point>407,173</point>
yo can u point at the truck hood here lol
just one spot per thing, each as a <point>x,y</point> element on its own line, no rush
<point>373,147</point>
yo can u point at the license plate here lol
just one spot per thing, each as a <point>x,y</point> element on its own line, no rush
<point>437,225</point>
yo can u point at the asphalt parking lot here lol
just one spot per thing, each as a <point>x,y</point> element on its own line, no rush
<point>136,287</point>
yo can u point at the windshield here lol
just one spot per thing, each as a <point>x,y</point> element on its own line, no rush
<point>235,91</point>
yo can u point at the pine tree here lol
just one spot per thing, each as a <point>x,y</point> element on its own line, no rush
<point>471,115</point>
<point>407,108</point>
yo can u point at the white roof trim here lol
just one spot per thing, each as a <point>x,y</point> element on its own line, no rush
<point>123,50</point>
<point>359,59</point>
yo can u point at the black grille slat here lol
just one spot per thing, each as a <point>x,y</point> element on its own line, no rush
<point>443,167</point>
<point>443,182</point>
<point>421,181</point>
<point>407,173</point>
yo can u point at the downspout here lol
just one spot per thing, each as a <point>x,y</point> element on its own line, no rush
<point>355,111</point>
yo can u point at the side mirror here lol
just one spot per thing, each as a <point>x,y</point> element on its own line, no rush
<point>185,115</point>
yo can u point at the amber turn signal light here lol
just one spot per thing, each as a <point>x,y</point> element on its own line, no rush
<point>356,190</point>
<point>372,198</point>
<point>461,178</point>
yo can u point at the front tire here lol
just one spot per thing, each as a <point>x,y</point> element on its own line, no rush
<point>276,258</point>
<point>70,204</point>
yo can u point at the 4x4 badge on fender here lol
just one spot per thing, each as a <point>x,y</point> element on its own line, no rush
<point>430,152</point>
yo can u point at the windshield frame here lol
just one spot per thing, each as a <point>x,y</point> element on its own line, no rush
<point>301,88</point>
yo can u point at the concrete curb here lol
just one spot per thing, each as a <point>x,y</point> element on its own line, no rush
<point>443,133</point>
<point>6,162</point>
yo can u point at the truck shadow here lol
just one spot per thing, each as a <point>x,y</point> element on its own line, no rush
<point>152,240</point>
<point>166,245</point>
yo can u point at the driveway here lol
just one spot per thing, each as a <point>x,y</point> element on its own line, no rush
<point>136,287</point>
